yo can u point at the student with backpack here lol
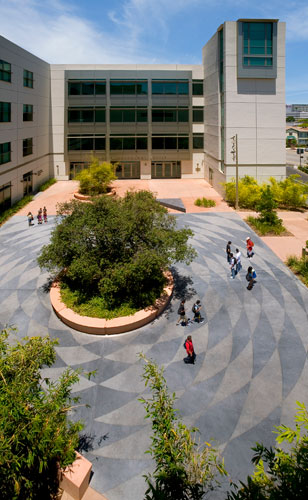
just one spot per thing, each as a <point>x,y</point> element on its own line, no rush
<point>232,266</point>
<point>182,314</point>
<point>196,308</point>
<point>191,355</point>
<point>249,246</point>
<point>251,277</point>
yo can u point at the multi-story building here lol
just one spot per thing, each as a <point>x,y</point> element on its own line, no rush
<point>298,111</point>
<point>151,121</point>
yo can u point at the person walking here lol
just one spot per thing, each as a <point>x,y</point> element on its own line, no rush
<point>251,277</point>
<point>39,216</point>
<point>238,256</point>
<point>191,355</point>
<point>228,251</point>
<point>232,266</point>
<point>249,246</point>
<point>196,309</point>
<point>45,214</point>
<point>30,219</point>
<point>182,314</point>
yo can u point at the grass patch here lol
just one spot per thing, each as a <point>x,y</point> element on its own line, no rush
<point>47,184</point>
<point>264,229</point>
<point>205,202</point>
<point>299,266</point>
<point>94,307</point>
<point>4,216</point>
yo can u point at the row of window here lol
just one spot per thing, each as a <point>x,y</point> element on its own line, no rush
<point>6,74</point>
<point>133,115</point>
<point>5,150</point>
<point>135,87</point>
<point>5,112</point>
<point>96,143</point>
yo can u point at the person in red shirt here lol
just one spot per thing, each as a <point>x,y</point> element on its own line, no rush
<point>249,246</point>
<point>191,355</point>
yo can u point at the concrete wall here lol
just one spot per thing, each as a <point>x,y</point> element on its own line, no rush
<point>17,130</point>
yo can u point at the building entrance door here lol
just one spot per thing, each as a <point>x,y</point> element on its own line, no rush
<point>166,170</point>
<point>28,183</point>
<point>127,170</point>
<point>75,168</point>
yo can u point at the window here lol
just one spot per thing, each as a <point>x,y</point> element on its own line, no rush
<point>257,44</point>
<point>170,87</point>
<point>90,87</point>
<point>5,152</point>
<point>5,112</point>
<point>197,87</point>
<point>198,115</point>
<point>86,115</point>
<point>129,142</point>
<point>27,113</point>
<point>170,142</point>
<point>86,143</point>
<point>170,115</point>
<point>5,71</point>
<point>127,115</point>
<point>197,141</point>
<point>28,79</point>
<point>27,147</point>
<point>118,87</point>
<point>5,196</point>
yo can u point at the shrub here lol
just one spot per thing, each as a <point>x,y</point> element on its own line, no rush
<point>116,249</point>
<point>204,202</point>
<point>266,206</point>
<point>248,189</point>
<point>263,228</point>
<point>4,216</point>
<point>47,184</point>
<point>299,266</point>
<point>35,435</point>
<point>289,193</point>
<point>183,470</point>
<point>96,178</point>
<point>304,169</point>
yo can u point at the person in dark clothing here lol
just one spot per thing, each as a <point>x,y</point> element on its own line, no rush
<point>250,277</point>
<point>228,251</point>
<point>196,309</point>
<point>191,355</point>
<point>182,314</point>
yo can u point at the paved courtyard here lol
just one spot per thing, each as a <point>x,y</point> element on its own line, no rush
<point>251,364</point>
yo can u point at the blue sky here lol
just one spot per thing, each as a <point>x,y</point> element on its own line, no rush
<point>148,31</point>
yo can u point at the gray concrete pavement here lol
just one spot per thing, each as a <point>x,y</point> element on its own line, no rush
<point>251,364</point>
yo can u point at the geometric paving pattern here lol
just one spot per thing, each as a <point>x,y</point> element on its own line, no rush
<point>251,350</point>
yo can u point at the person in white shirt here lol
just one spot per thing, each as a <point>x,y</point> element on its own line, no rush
<point>238,256</point>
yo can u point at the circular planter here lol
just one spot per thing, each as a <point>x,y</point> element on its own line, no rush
<point>101,326</point>
<point>85,197</point>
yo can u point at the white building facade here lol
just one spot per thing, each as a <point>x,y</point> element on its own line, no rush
<point>152,121</point>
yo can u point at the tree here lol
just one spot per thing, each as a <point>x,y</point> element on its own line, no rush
<point>290,119</point>
<point>36,438</point>
<point>184,470</point>
<point>279,474</point>
<point>267,208</point>
<point>303,123</point>
<point>116,248</point>
<point>96,178</point>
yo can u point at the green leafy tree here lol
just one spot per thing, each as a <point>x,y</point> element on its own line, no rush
<point>116,248</point>
<point>36,437</point>
<point>303,122</point>
<point>249,192</point>
<point>96,179</point>
<point>289,193</point>
<point>290,119</point>
<point>267,208</point>
<point>280,474</point>
<point>184,470</point>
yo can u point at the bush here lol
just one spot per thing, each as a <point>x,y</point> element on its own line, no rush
<point>299,266</point>
<point>47,184</point>
<point>96,178</point>
<point>265,229</point>
<point>266,207</point>
<point>116,249</point>
<point>204,202</point>
<point>304,169</point>
<point>183,470</point>
<point>248,189</point>
<point>4,216</point>
<point>289,193</point>
<point>35,435</point>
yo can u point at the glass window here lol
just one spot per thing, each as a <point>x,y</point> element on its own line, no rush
<point>5,71</point>
<point>100,115</point>
<point>157,88</point>
<point>158,143</point>
<point>183,143</point>
<point>129,115</point>
<point>100,88</point>
<point>86,143</point>
<point>5,196</point>
<point>27,113</point>
<point>5,112</point>
<point>142,143</point>
<point>128,88</point>
<point>73,115</point>
<point>28,79</point>
<point>100,143</point>
<point>5,152</point>
<point>170,143</point>
<point>115,143</point>
<point>115,115</point>
<point>183,115</point>
<point>142,115</point>
<point>197,141</point>
<point>197,87</point>
<point>170,88</point>
<point>73,144</point>
<point>142,88</point>
<point>183,88</point>
<point>129,143</point>
<point>87,115</point>
<point>74,88</point>
<point>87,88</point>
<point>157,115</point>
<point>170,115</point>
<point>115,88</point>
<point>257,41</point>
<point>198,115</point>
<point>27,146</point>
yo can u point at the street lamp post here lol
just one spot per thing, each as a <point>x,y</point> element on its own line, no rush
<point>234,152</point>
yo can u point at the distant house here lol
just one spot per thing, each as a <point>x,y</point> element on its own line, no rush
<point>299,134</point>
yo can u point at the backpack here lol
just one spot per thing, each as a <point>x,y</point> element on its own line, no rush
<point>184,345</point>
<point>180,310</point>
<point>194,308</point>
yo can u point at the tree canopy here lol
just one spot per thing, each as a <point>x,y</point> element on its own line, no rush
<point>116,248</point>
<point>35,435</point>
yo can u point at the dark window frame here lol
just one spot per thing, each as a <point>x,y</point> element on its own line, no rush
<point>86,143</point>
<point>118,143</point>
<point>27,113</point>
<point>182,142</point>
<point>5,201</point>
<point>5,72</point>
<point>164,111</point>
<point>121,85</point>
<point>198,111</point>
<point>5,152</point>
<point>84,84</point>
<point>198,88</point>
<point>28,79</point>
<point>27,146</point>
<point>5,114</point>
<point>166,87</point>
<point>198,141</point>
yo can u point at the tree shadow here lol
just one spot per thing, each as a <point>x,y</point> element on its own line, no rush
<point>183,286</point>
<point>87,442</point>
